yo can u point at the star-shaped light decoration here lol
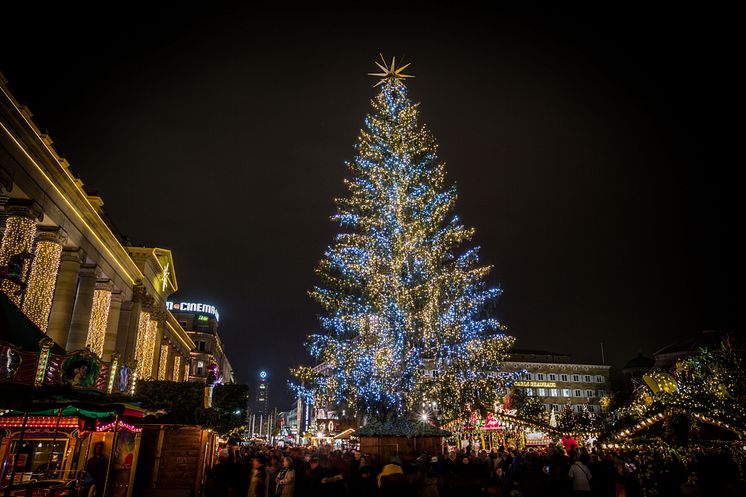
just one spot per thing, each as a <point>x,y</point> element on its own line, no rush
<point>390,71</point>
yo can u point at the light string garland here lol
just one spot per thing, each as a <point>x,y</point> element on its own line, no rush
<point>18,237</point>
<point>177,368</point>
<point>37,301</point>
<point>405,316</point>
<point>144,350</point>
<point>163,362</point>
<point>99,318</point>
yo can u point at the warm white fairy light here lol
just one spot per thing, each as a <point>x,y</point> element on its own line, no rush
<point>163,363</point>
<point>99,318</point>
<point>146,331</point>
<point>37,301</point>
<point>177,367</point>
<point>18,237</point>
<point>186,371</point>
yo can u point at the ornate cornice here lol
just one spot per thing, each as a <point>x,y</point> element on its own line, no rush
<point>52,234</point>
<point>22,207</point>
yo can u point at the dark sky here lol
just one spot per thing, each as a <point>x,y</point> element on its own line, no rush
<point>592,150</point>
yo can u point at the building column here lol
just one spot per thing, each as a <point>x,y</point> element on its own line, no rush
<point>81,319</point>
<point>58,328</point>
<point>18,238</point>
<point>99,317</point>
<point>177,368</point>
<point>112,326</point>
<point>156,338</point>
<point>37,301</point>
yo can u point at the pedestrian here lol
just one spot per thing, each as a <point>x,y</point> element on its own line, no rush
<point>581,476</point>
<point>285,478</point>
<point>95,471</point>
<point>259,484</point>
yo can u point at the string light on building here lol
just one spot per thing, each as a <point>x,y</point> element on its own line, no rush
<point>40,422</point>
<point>37,301</point>
<point>144,349</point>
<point>163,362</point>
<point>112,372</point>
<point>18,237</point>
<point>186,371</point>
<point>45,346</point>
<point>99,318</point>
<point>177,367</point>
<point>120,425</point>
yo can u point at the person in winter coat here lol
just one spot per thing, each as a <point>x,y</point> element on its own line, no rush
<point>285,478</point>
<point>581,476</point>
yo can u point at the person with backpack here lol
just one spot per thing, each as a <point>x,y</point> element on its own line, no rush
<point>581,476</point>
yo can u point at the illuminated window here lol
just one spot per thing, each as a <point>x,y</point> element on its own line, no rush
<point>554,392</point>
<point>529,391</point>
<point>542,392</point>
<point>565,392</point>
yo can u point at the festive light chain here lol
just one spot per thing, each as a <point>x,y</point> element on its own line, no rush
<point>122,426</point>
<point>112,373</point>
<point>163,362</point>
<point>18,237</point>
<point>45,346</point>
<point>37,301</point>
<point>145,345</point>
<point>40,422</point>
<point>177,367</point>
<point>186,371</point>
<point>99,318</point>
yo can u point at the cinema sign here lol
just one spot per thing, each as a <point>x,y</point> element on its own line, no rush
<point>193,307</point>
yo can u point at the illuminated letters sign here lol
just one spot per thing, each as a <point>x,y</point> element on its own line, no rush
<point>535,384</point>
<point>193,307</point>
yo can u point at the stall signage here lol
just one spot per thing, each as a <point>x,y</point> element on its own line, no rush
<point>490,423</point>
<point>535,384</point>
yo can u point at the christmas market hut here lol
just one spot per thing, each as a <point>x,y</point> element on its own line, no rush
<point>499,429</point>
<point>404,438</point>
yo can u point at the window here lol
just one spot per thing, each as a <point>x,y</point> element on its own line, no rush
<point>589,393</point>
<point>529,391</point>
<point>599,378</point>
<point>552,377</point>
<point>200,368</point>
<point>587,378</point>
<point>530,376</point>
<point>201,345</point>
<point>542,392</point>
<point>563,377</point>
<point>578,393</point>
<point>600,393</point>
<point>183,324</point>
<point>555,407</point>
<point>565,392</point>
<point>554,392</point>
<point>540,376</point>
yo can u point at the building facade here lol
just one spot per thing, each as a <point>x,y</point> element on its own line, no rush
<point>557,381</point>
<point>64,266</point>
<point>201,323</point>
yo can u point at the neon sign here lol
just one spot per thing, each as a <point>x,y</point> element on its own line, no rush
<point>193,307</point>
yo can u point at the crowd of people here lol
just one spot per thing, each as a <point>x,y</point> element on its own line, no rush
<point>263,471</point>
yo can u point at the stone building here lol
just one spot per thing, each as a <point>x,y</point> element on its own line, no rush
<point>558,381</point>
<point>201,324</point>
<point>84,287</point>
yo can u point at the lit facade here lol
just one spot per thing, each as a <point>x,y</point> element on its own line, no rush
<point>558,382</point>
<point>83,286</point>
<point>201,324</point>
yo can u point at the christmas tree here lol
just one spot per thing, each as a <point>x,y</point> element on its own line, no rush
<point>406,327</point>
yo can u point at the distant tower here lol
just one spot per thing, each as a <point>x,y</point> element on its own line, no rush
<point>261,403</point>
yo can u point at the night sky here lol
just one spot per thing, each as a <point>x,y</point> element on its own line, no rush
<point>592,151</point>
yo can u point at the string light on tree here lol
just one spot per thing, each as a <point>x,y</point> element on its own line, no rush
<point>401,296</point>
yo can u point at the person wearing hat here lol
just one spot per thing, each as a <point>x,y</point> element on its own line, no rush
<point>391,480</point>
<point>259,484</point>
